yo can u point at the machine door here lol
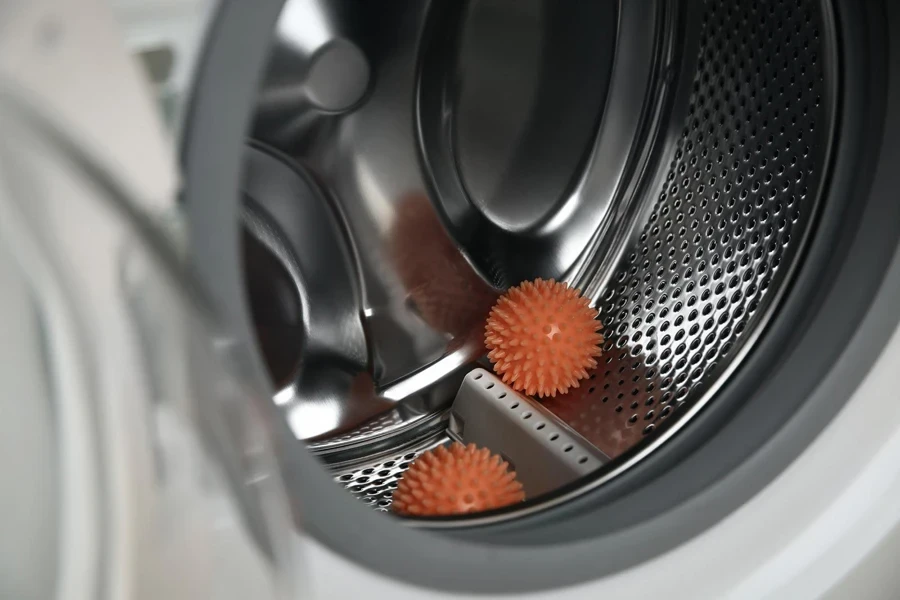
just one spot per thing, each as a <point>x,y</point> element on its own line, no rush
<point>134,446</point>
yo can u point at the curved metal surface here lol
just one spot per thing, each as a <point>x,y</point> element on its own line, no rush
<point>314,70</point>
<point>720,226</point>
<point>671,353</point>
<point>686,235</point>
<point>562,140</point>
<point>286,212</point>
<point>730,217</point>
<point>424,290</point>
<point>309,313</point>
<point>523,86</point>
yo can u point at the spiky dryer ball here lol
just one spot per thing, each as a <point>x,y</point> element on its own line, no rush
<point>542,337</point>
<point>456,480</point>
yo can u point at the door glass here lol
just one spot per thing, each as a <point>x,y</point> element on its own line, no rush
<point>152,432</point>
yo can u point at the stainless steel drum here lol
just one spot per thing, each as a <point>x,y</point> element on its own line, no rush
<point>701,170</point>
<point>667,160</point>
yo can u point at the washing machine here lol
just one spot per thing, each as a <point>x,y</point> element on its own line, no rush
<point>248,250</point>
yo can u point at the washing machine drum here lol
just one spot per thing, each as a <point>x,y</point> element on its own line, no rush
<point>713,176</point>
<point>362,181</point>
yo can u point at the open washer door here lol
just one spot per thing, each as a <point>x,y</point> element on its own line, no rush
<point>135,458</point>
<point>786,478</point>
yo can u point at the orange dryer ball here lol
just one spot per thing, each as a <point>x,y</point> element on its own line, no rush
<point>456,480</point>
<point>543,337</point>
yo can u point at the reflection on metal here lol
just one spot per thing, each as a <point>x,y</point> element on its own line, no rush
<point>528,123</point>
<point>545,453</point>
<point>427,261</point>
<point>674,179</point>
<point>316,327</point>
<point>314,70</point>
